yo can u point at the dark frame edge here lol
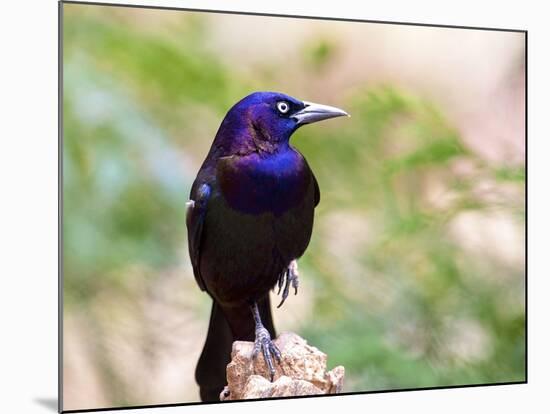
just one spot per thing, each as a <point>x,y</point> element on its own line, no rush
<point>60,208</point>
<point>293,16</point>
<point>526,207</point>
<point>344,394</point>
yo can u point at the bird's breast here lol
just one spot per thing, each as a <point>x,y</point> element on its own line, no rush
<point>257,183</point>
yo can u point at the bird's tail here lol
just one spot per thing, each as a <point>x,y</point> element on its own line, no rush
<point>226,326</point>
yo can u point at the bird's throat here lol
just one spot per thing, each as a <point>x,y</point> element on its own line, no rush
<point>258,183</point>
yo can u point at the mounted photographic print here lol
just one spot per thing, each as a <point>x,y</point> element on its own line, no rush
<point>264,206</point>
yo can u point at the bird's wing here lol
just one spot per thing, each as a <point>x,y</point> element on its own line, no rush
<point>196,212</point>
<point>317,196</point>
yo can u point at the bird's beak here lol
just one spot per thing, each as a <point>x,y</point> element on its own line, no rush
<point>314,112</point>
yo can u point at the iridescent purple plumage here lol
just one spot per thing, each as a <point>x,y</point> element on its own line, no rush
<point>251,217</point>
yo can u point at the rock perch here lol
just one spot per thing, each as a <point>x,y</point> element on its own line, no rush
<point>302,371</point>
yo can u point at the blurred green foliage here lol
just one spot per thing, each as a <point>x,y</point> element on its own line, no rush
<point>319,53</point>
<point>391,301</point>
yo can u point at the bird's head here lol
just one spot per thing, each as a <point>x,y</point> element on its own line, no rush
<point>270,118</point>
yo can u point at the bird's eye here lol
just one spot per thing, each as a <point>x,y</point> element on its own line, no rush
<point>283,107</point>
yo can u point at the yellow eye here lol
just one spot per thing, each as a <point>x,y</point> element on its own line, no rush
<point>283,107</point>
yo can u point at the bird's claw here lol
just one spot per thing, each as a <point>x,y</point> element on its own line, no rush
<point>264,343</point>
<point>290,277</point>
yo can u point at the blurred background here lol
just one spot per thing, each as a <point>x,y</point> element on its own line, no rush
<point>415,275</point>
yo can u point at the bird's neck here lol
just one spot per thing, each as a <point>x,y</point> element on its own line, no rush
<point>241,136</point>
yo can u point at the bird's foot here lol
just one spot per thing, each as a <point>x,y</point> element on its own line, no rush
<point>264,343</point>
<point>290,278</point>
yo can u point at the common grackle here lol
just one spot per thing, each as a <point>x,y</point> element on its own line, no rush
<point>249,218</point>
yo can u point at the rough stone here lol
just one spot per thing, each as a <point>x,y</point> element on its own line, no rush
<point>302,371</point>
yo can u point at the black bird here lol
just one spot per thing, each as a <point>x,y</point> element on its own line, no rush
<point>249,218</point>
